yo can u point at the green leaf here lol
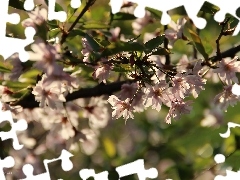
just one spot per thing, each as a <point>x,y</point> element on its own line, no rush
<point>233,160</point>
<point>58,7</point>
<point>16,84</point>
<point>123,16</point>
<point>54,32</point>
<point>76,32</point>
<point>53,24</point>
<point>94,25</point>
<point>96,46</point>
<point>209,8</point>
<point>154,12</point>
<point>154,43</point>
<point>198,43</point>
<point>118,47</point>
<point>4,69</point>
<point>70,11</point>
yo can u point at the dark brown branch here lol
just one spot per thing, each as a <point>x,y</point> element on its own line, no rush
<point>228,53</point>
<point>219,55</point>
<point>168,61</point>
<point>101,89</point>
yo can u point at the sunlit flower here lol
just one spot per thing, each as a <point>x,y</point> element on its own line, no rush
<point>176,32</point>
<point>50,96</point>
<point>226,98</point>
<point>178,108</point>
<point>155,96</point>
<point>102,72</point>
<point>45,56</point>
<point>227,69</point>
<point>121,108</point>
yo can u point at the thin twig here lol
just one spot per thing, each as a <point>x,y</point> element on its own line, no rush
<point>211,167</point>
<point>87,6</point>
<point>219,55</point>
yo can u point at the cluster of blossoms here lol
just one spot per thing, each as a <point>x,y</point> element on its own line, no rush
<point>167,85</point>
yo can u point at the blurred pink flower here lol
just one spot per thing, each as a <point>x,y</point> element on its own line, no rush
<point>226,98</point>
<point>140,23</point>
<point>178,108</point>
<point>45,56</point>
<point>36,17</point>
<point>176,32</point>
<point>102,72</point>
<point>227,69</point>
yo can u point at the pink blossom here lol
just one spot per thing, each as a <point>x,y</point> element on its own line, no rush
<point>36,17</point>
<point>196,84</point>
<point>227,69</point>
<point>86,50</point>
<point>115,34</point>
<point>17,68</point>
<point>226,98</point>
<point>62,80</point>
<point>88,140</point>
<point>180,88</point>
<point>128,90</point>
<point>45,55</point>
<point>97,112</point>
<point>121,108</point>
<point>176,32</point>
<point>131,91</point>
<point>50,96</point>
<point>102,72</point>
<point>178,108</point>
<point>155,95</point>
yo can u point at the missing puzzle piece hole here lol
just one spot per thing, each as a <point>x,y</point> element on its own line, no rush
<point>28,5</point>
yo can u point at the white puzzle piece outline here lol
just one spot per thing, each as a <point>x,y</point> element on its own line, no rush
<point>20,125</point>
<point>192,8</point>
<point>220,158</point>
<point>66,165</point>
<point>137,167</point>
<point>7,162</point>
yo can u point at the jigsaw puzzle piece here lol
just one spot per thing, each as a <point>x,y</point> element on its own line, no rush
<point>66,166</point>
<point>28,5</point>
<point>20,125</point>
<point>226,7</point>
<point>7,162</point>
<point>192,8</point>
<point>17,45</point>
<point>137,167</point>
<point>87,173</point>
<point>75,3</point>
<point>28,171</point>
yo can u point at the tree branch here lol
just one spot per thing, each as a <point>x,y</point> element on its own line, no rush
<point>228,53</point>
<point>219,55</point>
<point>101,89</point>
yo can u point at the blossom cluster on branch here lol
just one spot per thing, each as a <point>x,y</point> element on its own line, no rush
<point>108,76</point>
